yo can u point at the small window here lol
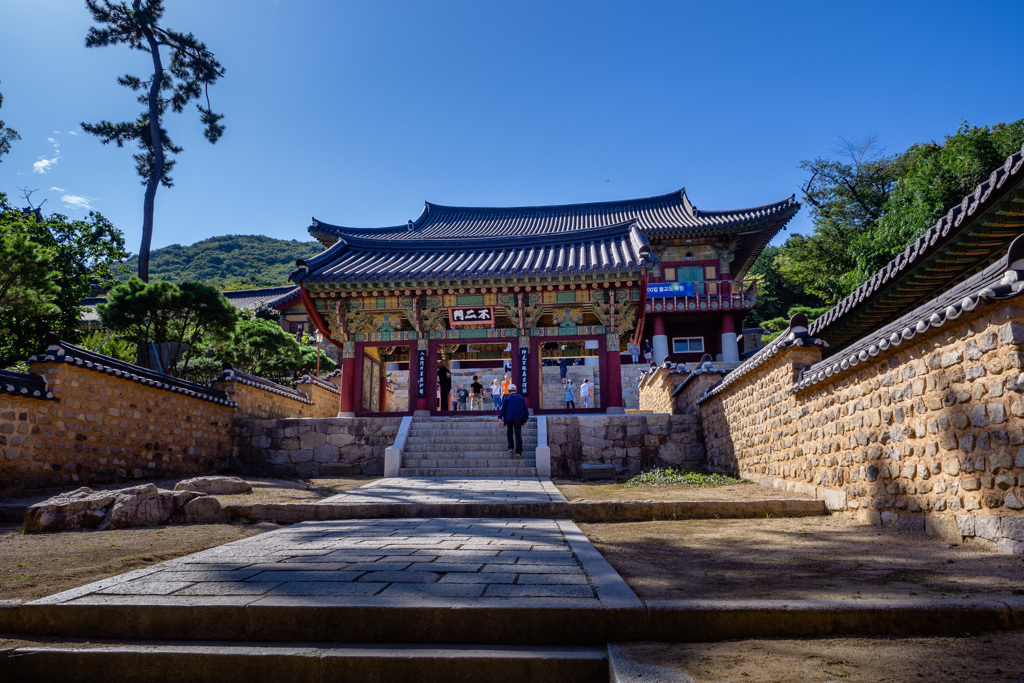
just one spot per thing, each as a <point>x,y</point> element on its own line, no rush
<point>689,274</point>
<point>670,274</point>
<point>687,344</point>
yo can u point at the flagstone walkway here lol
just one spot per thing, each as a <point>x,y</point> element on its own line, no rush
<point>435,490</point>
<point>380,562</point>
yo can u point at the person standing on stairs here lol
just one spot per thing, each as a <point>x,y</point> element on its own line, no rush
<point>514,414</point>
<point>463,397</point>
<point>570,395</point>
<point>444,382</point>
<point>476,394</point>
<point>586,389</point>
<point>496,392</point>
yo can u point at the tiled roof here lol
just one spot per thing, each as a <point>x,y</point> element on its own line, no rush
<point>613,248</point>
<point>254,298</point>
<point>667,215</point>
<point>62,352</point>
<point>250,299</point>
<point>998,282</point>
<point>20,384</point>
<point>963,241</point>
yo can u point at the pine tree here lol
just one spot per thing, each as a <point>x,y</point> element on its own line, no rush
<point>186,78</point>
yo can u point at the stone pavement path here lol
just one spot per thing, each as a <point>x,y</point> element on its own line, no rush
<point>434,490</point>
<point>380,562</point>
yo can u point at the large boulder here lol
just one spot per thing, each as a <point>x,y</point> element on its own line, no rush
<point>214,485</point>
<point>79,509</point>
<point>144,505</point>
<point>201,510</point>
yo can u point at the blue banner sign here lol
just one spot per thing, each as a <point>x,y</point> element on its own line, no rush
<point>421,373</point>
<point>664,290</point>
<point>524,371</point>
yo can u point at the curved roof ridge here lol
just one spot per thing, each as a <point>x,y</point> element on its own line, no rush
<point>677,195</point>
<point>788,201</point>
<point>573,235</point>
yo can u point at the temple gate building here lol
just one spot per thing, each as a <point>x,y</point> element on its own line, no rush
<point>530,291</point>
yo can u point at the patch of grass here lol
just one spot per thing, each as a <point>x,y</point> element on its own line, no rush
<point>671,476</point>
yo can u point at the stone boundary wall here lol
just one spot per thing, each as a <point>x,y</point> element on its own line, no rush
<point>326,397</point>
<point>630,442</point>
<point>675,393</point>
<point>927,434</point>
<point>260,402</point>
<point>340,446</point>
<point>102,428</point>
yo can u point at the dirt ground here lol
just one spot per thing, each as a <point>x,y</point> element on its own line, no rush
<point>264,490</point>
<point>575,490</point>
<point>995,658</point>
<point>36,565</point>
<point>798,559</point>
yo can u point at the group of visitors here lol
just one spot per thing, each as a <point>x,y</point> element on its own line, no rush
<point>472,397</point>
<point>586,391</point>
<point>634,350</point>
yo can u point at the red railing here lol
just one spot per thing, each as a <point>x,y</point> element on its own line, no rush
<point>708,295</point>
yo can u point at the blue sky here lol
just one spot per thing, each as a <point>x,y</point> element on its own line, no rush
<point>358,112</point>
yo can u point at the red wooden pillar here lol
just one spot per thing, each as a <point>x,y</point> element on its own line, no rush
<point>346,407</point>
<point>613,381</point>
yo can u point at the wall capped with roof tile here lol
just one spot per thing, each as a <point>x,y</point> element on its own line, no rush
<point>928,434</point>
<point>103,428</point>
<point>262,403</point>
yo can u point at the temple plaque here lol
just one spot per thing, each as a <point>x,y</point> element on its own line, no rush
<point>471,315</point>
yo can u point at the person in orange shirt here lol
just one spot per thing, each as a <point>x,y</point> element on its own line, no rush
<point>505,384</point>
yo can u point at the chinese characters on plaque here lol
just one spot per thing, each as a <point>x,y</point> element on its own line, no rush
<point>524,371</point>
<point>421,374</point>
<point>471,315</point>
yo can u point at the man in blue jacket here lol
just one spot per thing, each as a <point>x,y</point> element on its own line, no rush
<point>514,414</point>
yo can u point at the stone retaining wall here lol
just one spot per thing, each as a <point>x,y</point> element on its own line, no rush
<point>307,448</point>
<point>102,428</point>
<point>928,433</point>
<point>630,442</point>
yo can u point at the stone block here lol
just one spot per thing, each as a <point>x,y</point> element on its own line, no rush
<point>326,453</point>
<point>312,440</point>
<point>988,527</point>
<point>945,528</point>
<point>834,500</point>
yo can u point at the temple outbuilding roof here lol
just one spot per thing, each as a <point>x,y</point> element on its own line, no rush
<point>615,248</point>
<point>668,215</point>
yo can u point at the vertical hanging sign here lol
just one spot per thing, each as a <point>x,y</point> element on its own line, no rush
<point>421,373</point>
<point>524,371</point>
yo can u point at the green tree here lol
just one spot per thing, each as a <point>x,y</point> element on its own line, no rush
<point>180,317</point>
<point>27,288</point>
<point>191,70</point>
<point>776,293</point>
<point>7,135</point>
<point>86,254</point>
<point>261,347</point>
<point>847,197</point>
<point>867,207</point>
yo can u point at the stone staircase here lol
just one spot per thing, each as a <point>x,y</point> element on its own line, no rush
<point>466,447</point>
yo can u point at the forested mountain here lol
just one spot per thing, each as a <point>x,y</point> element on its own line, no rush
<point>229,261</point>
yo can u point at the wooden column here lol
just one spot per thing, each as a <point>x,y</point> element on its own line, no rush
<point>613,381</point>
<point>346,406</point>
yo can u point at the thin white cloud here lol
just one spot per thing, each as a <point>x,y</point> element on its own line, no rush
<point>58,189</point>
<point>45,165</point>
<point>72,132</point>
<point>78,202</point>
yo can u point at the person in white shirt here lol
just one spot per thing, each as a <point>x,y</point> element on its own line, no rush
<point>585,392</point>
<point>496,392</point>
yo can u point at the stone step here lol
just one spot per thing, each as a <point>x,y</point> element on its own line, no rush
<point>498,436</point>
<point>458,454</point>
<point>492,430</point>
<point>420,463</point>
<point>284,663</point>
<point>464,446</point>
<point>468,472</point>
